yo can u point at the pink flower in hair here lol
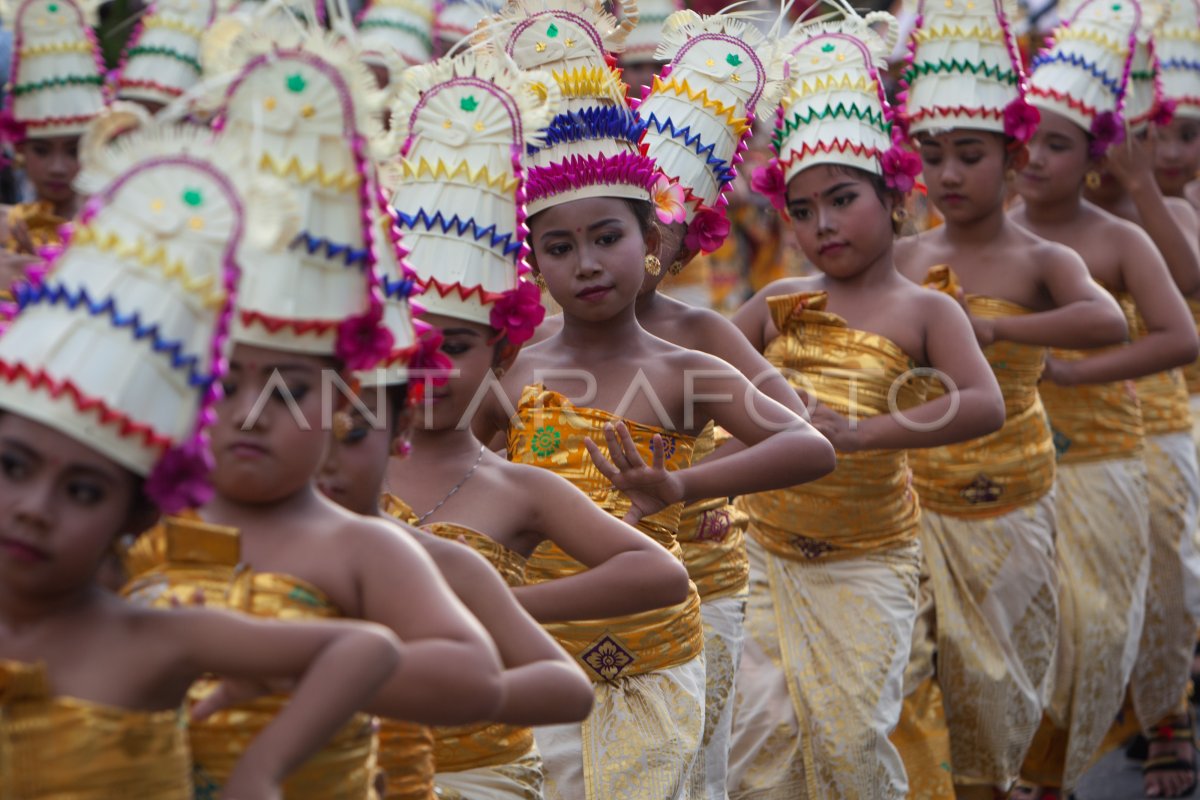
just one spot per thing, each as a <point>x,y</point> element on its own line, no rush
<point>900,168</point>
<point>707,231</point>
<point>669,201</point>
<point>179,480</point>
<point>1021,120</point>
<point>428,357</point>
<point>363,341</point>
<point>12,130</point>
<point>768,181</point>
<point>1107,130</point>
<point>1164,112</point>
<point>518,313</point>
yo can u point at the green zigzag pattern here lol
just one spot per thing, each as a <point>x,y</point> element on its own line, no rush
<point>996,72</point>
<point>851,111</point>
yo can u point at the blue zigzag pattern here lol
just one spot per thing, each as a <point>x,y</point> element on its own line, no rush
<point>502,241</point>
<point>597,122</point>
<point>723,171</point>
<point>397,289</point>
<point>1112,84</point>
<point>1181,63</point>
<point>48,294</point>
<point>353,257</point>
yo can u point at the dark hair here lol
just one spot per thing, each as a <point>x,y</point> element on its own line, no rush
<point>643,212</point>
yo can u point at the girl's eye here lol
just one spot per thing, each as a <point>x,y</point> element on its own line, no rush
<point>13,467</point>
<point>972,158</point>
<point>455,348</point>
<point>557,249</point>
<point>609,239</point>
<point>297,393</point>
<point>844,200</point>
<point>84,493</point>
<point>355,435</point>
<point>228,388</point>
<point>800,213</point>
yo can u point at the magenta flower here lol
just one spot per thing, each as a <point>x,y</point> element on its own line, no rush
<point>179,480</point>
<point>518,313</point>
<point>707,231</point>
<point>900,168</point>
<point>12,130</point>
<point>1164,112</point>
<point>428,356</point>
<point>1107,130</point>
<point>363,341</point>
<point>768,181</point>
<point>1021,120</point>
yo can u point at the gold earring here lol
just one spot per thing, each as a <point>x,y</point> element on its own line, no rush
<point>1092,179</point>
<point>541,282</point>
<point>899,215</point>
<point>653,266</point>
<point>676,267</point>
<point>1010,175</point>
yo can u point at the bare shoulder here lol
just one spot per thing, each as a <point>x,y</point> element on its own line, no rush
<point>1044,252</point>
<point>458,563</point>
<point>1182,210</point>
<point>791,286</point>
<point>912,256</point>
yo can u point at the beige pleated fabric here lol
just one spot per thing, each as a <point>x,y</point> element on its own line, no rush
<point>838,641</point>
<point>724,631</point>
<point>1163,665</point>
<point>640,742</point>
<point>517,780</point>
<point>995,586</point>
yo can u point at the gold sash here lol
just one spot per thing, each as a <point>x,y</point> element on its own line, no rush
<point>486,744</point>
<point>60,747</point>
<point>1011,468</point>
<point>551,435</point>
<point>1164,395</point>
<point>1191,372</point>
<point>712,534</point>
<point>183,554</point>
<point>40,220</point>
<point>406,759</point>
<point>867,503</point>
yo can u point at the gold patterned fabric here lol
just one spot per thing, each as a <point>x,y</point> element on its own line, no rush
<point>867,503</point>
<point>1191,372</point>
<point>712,534</point>
<point>41,222</point>
<point>1011,468</point>
<point>183,554</point>
<point>60,748</point>
<point>406,760</point>
<point>1163,665</point>
<point>1163,395</point>
<point>836,633</point>
<point>477,746</point>
<point>1103,556</point>
<point>520,779</point>
<point>550,435</point>
<point>724,621</point>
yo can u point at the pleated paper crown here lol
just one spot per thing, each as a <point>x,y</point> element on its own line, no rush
<point>643,41</point>
<point>457,19</point>
<point>1178,41</point>
<point>303,105</point>
<point>466,123</point>
<point>834,110</point>
<point>162,60</point>
<point>593,146</point>
<point>57,73</point>
<point>964,71</point>
<point>120,343</point>
<point>1144,99</point>
<point>1084,74</point>
<point>403,27</point>
<point>700,112</point>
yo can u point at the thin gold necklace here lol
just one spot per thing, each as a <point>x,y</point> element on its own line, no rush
<point>421,519</point>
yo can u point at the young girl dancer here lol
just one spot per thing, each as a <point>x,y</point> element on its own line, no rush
<point>834,565</point>
<point>268,542</point>
<point>1098,425</point>
<point>988,515</point>
<point>594,237</point>
<point>92,686</point>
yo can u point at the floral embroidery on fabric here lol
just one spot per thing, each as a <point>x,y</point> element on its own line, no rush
<point>1062,442</point>
<point>982,490</point>
<point>302,595</point>
<point>811,548</point>
<point>607,658</point>
<point>545,442</point>
<point>714,526</point>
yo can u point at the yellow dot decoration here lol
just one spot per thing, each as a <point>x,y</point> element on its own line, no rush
<point>196,223</point>
<point>157,205</point>
<point>307,111</point>
<point>269,104</point>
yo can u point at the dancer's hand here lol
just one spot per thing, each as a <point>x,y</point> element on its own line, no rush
<point>232,692</point>
<point>1059,372</point>
<point>650,488</point>
<point>837,429</point>
<point>985,329</point>
<point>1131,162</point>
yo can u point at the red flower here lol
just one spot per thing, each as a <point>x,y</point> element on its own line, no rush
<point>428,357</point>
<point>1021,120</point>
<point>179,480</point>
<point>518,313</point>
<point>1107,130</point>
<point>707,231</point>
<point>900,168</point>
<point>768,181</point>
<point>363,341</point>
<point>1164,112</point>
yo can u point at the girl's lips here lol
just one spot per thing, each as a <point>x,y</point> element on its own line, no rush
<point>25,553</point>
<point>594,293</point>
<point>832,247</point>
<point>247,450</point>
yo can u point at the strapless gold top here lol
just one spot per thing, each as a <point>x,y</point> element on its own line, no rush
<point>487,744</point>
<point>712,534</point>
<point>1005,470</point>
<point>183,554</point>
<point>1191,373</point>
<point>867,502</point>
<point>550,435</point>
<point>60,748</point>
<point>41,222</point>
<point>1163,395</point>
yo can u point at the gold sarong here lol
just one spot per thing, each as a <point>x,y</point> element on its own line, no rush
<point>1191,372</point>
<point>1163,395</point>
<point>1163,666</point>
<point>53,748</point>
<point>724,630</point>
<point>519,779</point>
<point>183,554</point>
<point>43,224</point>
<point>836,633</point>
<point>643,736</point>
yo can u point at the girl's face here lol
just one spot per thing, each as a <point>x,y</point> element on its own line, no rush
<point>964,170</point>
<point>840,221</point>
<point>356,462</point>
<point>472,353</point>
<point>592,255</point>
<point>1058,161</point>
<point>270,436</point>
<point>51,165</point>
<point>62,505</point>
<point>1177,155</point>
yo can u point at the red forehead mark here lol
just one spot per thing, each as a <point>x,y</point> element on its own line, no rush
<point>579,230</point>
